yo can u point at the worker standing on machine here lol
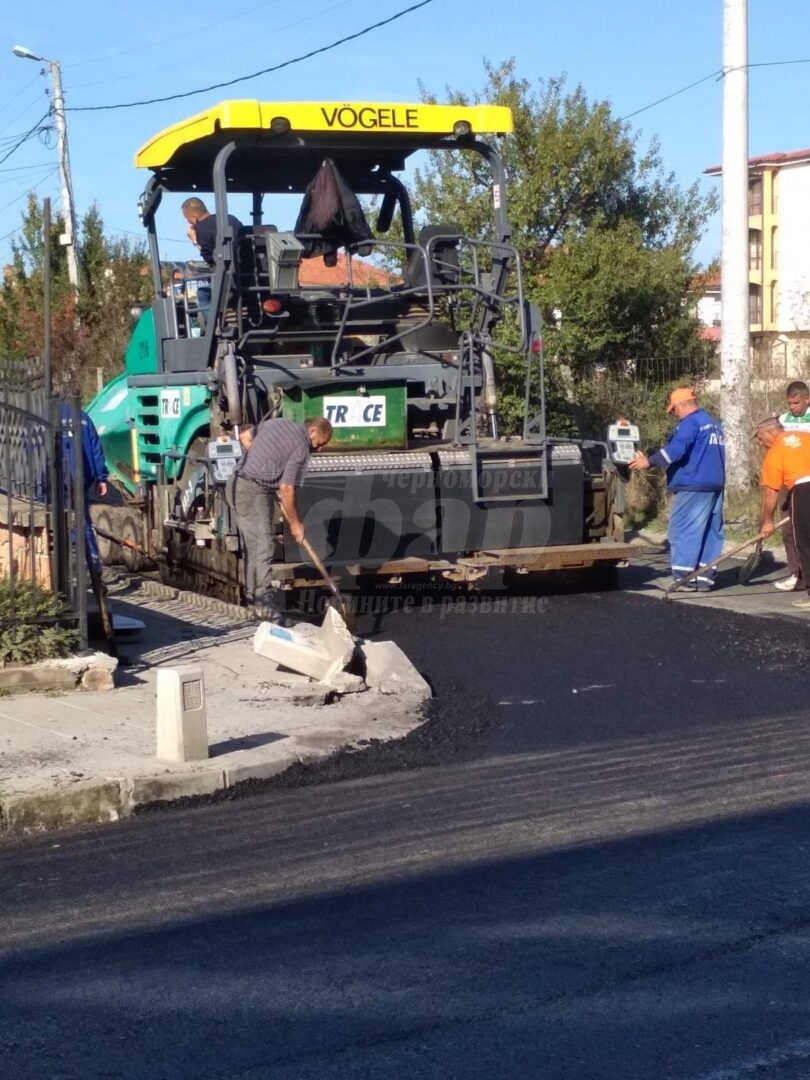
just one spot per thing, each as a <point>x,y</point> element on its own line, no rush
<point>270,473</point>
<point>202,232</point>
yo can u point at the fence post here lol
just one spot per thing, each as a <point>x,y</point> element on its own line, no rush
<point>79,546</point>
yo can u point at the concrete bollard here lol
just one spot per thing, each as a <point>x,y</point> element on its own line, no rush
<point>182,728</point>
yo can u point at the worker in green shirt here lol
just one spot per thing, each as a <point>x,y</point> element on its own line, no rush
<point>797,418</point>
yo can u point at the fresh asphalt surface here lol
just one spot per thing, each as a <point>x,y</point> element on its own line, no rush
<point>591,862</point>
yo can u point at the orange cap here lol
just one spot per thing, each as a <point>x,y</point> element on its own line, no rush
<point>680,396</point>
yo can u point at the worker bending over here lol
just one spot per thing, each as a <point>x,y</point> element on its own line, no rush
<point>271,472</point>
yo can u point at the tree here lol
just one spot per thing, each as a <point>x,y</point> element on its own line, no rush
<point>605,235</point>
<point>86,334</point>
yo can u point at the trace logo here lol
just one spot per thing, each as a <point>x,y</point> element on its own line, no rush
<point>344,412</point>
<point>169,404</point>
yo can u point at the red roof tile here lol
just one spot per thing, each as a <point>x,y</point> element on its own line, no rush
<point>315,272</point>
<point>790,157</point>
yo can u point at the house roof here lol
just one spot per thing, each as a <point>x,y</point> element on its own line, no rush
<point>791,157</point>
<point>315,272</point>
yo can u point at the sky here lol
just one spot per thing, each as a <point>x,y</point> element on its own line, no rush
<point>632,53</point>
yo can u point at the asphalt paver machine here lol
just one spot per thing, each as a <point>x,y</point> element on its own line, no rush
<point>352,308</point>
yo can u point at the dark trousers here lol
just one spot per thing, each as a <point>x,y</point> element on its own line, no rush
<point>791,555</point>
<point>256,509</point>
<point>90,543</point>
<point>800,516</point>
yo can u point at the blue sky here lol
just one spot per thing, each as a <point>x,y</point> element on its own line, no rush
<point>631,52</point>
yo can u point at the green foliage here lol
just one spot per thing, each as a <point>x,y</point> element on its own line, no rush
<point>25,642</point>
<point>605,235</point>
<point>86,334</point>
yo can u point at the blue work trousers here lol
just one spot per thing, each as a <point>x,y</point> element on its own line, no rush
<point>695,533</point>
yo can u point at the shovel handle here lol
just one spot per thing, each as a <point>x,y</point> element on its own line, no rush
<point>317,562</point>
<point>726,555</point>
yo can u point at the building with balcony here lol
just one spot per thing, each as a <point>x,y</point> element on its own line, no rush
<point>779,263</point>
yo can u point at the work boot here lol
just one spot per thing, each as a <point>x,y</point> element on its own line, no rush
<point>271,615</point>
<point>788,584</point>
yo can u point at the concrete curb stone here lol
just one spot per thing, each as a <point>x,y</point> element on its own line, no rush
<point>79,804</point>
<point>143,790</point>
<point>86,761</point>
<point>91,672</point>
<point>389,671</point>
<point>95,802</point>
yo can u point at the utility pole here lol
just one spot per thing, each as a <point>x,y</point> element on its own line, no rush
<point>68,237</point>
<point>735,353</point>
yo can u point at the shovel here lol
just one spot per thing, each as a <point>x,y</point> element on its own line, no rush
<point>728,555</point>
<point>751,564</point>
<point>331,584</point>
<point>103,610</point>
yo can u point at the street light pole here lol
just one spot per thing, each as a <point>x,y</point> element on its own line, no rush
<point>735,351</point>
<point>68,237</point>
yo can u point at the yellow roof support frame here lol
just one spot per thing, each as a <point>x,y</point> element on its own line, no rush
<point>365,118</point>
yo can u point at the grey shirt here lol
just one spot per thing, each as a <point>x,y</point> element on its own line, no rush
<point>279,454</point>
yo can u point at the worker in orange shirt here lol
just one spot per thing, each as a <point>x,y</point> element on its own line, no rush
<point>787,464</point>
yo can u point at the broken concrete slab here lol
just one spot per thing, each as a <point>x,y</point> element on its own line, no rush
<point>307,694</point>
<point>336,636</point>
<point>66,673</point>
<point>35,677</point>
<point>321,653</point>
<point>344,682</point>
<point>68,746</point>
<point>286,678</point>
<point>97,678</point>
<point>389,671</point>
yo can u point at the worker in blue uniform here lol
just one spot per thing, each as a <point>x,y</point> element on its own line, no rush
<point>695,464</point>
<point>95,474</point>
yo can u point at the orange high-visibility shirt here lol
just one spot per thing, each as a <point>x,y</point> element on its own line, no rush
<point>787,461</point>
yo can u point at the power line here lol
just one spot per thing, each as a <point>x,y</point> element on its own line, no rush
<point>264,71</point>
<point>180,63</point>
<point>778,63</point>
<point>200,30</point>
<point>28,134</point>
<point>22,168</point>
<point>17,198</point>
<point>9,139</point>
<point>20,93</point>
<point>675,93</point>
<point>718,74</point>
<point>17,179</point>
<point>34,103</point>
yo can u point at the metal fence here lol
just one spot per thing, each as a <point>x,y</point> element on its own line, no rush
<point>42,505</point>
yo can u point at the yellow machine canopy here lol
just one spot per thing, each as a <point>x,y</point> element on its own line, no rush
<point>266,126</point>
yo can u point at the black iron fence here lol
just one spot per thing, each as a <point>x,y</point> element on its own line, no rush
<point>43,573</point>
